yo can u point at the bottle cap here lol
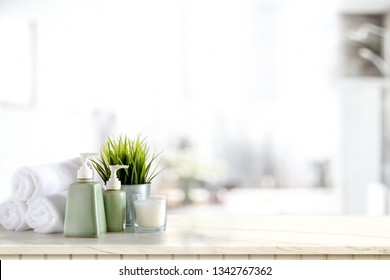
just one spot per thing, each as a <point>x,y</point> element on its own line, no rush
<point>85,172</point>
<point>113,183</point>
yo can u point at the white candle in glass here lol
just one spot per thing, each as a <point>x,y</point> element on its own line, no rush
<point>150,212</point>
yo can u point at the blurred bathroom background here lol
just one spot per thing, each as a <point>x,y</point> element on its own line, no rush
<point>259,106</point>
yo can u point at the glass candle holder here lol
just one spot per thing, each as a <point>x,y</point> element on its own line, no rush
<point>150,212</point>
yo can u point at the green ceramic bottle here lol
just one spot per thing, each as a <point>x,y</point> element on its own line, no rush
<point>115,201</point>
<point>85,214</point>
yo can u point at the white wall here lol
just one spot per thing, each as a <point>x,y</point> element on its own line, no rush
<point>362,141</point>
<point>230,70</point>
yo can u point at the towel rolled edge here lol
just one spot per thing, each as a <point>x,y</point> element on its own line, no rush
<point>17,209</point>
<point>52,209</point>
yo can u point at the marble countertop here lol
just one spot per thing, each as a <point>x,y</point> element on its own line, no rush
<point>222,235</point>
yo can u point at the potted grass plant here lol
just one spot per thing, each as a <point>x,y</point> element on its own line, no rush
<point>143,167</point>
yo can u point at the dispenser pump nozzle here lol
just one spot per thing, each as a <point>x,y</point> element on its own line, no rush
<point>85,172</point>
<point>113,183</point>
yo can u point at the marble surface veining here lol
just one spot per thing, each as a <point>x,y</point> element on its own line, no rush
<point>222,235</point>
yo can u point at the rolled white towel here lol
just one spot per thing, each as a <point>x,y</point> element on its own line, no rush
<point>31,182</point>
<point>46,214</point>
<point>13,215</point>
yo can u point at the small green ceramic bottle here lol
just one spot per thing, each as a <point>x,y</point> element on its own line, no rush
<point>115,201</point>
<point>85,215</point>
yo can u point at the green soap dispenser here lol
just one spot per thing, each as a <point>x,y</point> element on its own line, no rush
<point>85,215</point>
<point>115,201</point>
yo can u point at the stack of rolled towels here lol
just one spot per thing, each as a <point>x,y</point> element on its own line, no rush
<point>38,197</point>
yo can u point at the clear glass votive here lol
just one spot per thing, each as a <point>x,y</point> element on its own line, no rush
<point>150,212</point>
